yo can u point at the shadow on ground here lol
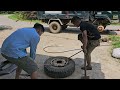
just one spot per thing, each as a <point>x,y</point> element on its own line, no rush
<point>5,27</point>
<point>108,32</point>
<point>68,30</point>
<point>96,73</point>
<point>75,30</point>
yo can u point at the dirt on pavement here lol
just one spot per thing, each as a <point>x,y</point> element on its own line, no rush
<point>104,66</point>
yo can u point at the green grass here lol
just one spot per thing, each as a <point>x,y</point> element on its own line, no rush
<point>115,41</point>
<point>4,14</point>
<point>13,17</point>
<point>115,23</point>
<point>16,17</point>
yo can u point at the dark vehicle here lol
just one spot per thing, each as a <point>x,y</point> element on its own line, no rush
<point>113,15</point>
<point>59,20</point>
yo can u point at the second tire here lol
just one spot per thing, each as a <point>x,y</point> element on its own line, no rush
<point>55,27</point>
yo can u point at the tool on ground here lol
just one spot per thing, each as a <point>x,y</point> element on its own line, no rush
<point>85,70</point>
<point>75,54</point>
<point>69,58</point>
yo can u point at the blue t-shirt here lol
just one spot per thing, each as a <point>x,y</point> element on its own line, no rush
<point>15,45</point>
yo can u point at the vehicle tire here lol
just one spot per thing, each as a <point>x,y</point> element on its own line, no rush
<point>101,28</point>
<point>59,67</point>
<point>64,27</point>
<point>55,27</point>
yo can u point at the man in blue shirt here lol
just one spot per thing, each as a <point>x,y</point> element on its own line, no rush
<point>14,49</point>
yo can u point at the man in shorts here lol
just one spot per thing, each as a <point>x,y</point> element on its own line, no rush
<point>89,37</point>
<point>14,49</point>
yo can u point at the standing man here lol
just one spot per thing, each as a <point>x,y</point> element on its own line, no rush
<point>14,49</point>
<point>89,37</point>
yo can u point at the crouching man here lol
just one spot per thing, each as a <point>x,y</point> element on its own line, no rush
<point>14,49</point>
<point>89,37</point>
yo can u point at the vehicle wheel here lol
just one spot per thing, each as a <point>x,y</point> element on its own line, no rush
<point>59,67</point>
<point>64,27</point>
<point>101,28</point>
<point>55,27</point>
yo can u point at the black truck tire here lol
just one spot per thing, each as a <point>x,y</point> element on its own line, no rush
<point>55,27</point>
<point>59,71</point>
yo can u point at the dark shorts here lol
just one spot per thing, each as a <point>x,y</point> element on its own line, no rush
<point>25,63</point>
<point>91,45</point>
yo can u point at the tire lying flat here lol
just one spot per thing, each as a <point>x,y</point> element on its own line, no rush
<point>62,71</point>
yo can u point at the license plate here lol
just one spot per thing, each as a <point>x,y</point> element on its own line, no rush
<point>115,16</point>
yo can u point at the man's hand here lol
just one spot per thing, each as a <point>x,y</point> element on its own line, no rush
<point>80,37</point>
<point>84,50</point>
<point>82,47</point>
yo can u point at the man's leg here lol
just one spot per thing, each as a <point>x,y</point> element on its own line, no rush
<point>90,47</point>
<point>28,65</point>
<point>25,63</point>
<point>34,75</point>
<point>88,56</point>
<point>88,59</point>
<point>18,71</point>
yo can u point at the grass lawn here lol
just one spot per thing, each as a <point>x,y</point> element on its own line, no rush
<point>115,23</point>
<point>15,17</point>
<point>4,14</point>
<point>115,41</point>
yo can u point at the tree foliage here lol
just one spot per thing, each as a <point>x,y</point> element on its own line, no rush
<point>7,12</point>
<point>26,15</point>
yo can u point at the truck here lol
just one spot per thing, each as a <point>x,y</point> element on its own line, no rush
<point>113,15</point>
<point>60,20</point>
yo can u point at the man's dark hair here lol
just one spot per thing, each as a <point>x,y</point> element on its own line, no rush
<point>75,18</point>
<point>39,26</point>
